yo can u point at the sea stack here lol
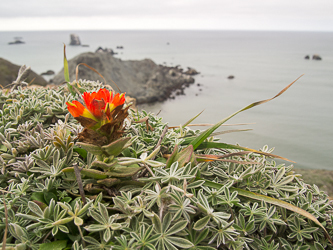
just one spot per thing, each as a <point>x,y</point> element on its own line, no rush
<point>75,40</point>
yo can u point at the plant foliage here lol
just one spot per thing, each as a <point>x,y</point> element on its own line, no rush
<point>158,188</point>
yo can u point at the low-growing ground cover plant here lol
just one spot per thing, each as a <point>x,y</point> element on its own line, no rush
<point>107,177</point>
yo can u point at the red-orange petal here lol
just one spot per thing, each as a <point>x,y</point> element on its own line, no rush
<point>119,99</point>
<point>97,107</point>
<point>75,108</point>
<point>103,94</point>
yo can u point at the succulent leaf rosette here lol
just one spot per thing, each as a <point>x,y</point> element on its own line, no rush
<point>102,115</point>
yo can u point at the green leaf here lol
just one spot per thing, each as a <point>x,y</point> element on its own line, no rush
<point>64,229</point>
<point>180,225</point>
<point>205,134</point>
<point>55,245</point>
<point>63,221</point>
<point>107,235</point>
<point>200,224</point>
<point>85,208</point>
<point>124,171</point>
<point>78,221</point>
<point>205,248</point>
<point>82,152</point>
<point>28,217</point>
<point>318,246</point>
<point>91,240</point>
<point>183,157</point>
<point>157,223</point>
<point>271,200</point>
<point>103,211</point>
<point>48,196</point>
<point>172,157</point>
<point>55,230</point>
<point>195,184</point>
<point>35,209</point>
<point>95,227</point>
<point>95,174</point>
<point>180,242</point>
<point>116,147</point>
<point>93,149</point>
<point>66,72</point>
<point>3,148</point>
<point>166,222</point>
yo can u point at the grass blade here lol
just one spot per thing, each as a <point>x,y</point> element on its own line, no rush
<point>95,70</point>
<point>204,135</point>
<point>207,158</point>
<point>192,119</point>
<point>230,146</point>
<point>188,139</point>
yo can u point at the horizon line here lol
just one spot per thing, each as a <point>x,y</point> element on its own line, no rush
<point>164,29</point>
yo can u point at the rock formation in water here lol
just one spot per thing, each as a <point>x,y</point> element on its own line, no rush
<point>316,57</point>
<point>48,73</point>
<point>75,40</point>
<point>144,80</point>
<point>9,72</point>
<point>106,50</point>
<point>191,72</point>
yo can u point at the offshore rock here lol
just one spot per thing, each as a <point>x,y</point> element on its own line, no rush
<point>9,72</point>
<point>48,73</point>
<point>144,80</point>
<point>191,71</point>
<point>75,40</point>
<point>316,57</point>
<point>106,50</point>
<point>18,40</point>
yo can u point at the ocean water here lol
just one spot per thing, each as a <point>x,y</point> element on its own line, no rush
<point>298,123</point>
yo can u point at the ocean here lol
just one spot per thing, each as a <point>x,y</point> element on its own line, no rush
<point>298,123</point>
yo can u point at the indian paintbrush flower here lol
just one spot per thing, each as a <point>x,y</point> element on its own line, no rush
<point>102,116</point>
<point>98,106</point>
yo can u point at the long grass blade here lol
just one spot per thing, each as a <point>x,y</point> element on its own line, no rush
<point>95,70</point>
<point>187,140</point>
<point>271,200</point>
<point>89,67</point>
<point>230,146</point>
<point>204,135</point>
<point>233,154</point>
<point>207,158</point>
<point>191,120</point>
<point>209,124</point>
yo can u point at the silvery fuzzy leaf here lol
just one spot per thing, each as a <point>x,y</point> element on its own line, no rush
<point>35,209</point>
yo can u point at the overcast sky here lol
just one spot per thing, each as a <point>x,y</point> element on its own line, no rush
<point>313,15</point>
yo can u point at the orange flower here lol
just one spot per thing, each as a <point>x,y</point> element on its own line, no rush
<point>98,106</point>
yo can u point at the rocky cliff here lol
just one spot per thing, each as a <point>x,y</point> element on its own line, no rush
<point>144,80</point>
<point>9,71</point>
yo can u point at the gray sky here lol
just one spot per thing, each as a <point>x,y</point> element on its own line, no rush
<point>314,15</point>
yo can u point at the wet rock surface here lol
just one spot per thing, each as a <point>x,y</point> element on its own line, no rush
<point>144,80</point>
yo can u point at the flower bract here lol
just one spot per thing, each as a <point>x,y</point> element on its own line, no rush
<point>98,105</point>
